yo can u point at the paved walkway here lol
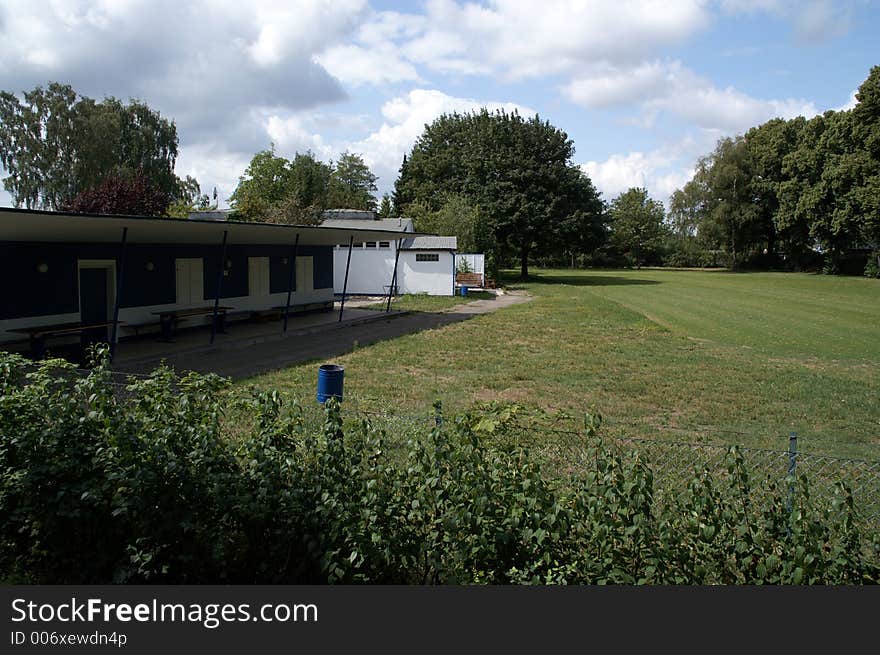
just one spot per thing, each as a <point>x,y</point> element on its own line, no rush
<point>248,357</point>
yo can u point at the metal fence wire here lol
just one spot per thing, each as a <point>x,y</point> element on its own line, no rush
<point>674,464</point>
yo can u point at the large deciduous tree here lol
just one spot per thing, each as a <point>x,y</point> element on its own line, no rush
<point>637,223</point>
<point>279,190</point>
<point>517,172</point>
<point>56,144</point>
<point>352,184</point>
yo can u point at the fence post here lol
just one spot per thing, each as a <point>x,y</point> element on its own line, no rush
<point>438,413</point>
<point>792,469</point>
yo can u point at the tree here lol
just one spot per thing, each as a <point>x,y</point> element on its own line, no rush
<point>265,182</point>
<point>518,173</point>
<point>637,223</point>
<point>56,144</point>
<point>190,198</point>
<point>134,196</point>
<point>352,184</point>
<point>386,210</point>
<point>456,217</point>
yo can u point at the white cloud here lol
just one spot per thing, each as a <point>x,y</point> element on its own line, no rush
<point>614,86</point>
<point>671,87</point>
<point>290,135</point>
<point>379,64</point>
<point>657,171</point>
<point>821,21</point>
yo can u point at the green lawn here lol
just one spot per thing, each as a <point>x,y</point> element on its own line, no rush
<point>422,302</point>
<point>686,355</point>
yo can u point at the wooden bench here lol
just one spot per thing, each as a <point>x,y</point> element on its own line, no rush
<point>39,333</point>
<point>470,280</point>
<point>169,320</point>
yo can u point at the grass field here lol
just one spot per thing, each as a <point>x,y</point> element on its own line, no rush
<point>686,355</point>
<point>422,302</point>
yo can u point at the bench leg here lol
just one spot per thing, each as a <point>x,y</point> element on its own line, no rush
<point>167,325</point>
<point>38,347</point>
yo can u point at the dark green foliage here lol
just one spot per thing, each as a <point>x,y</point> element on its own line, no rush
<point>174,480</point>
<point>637,224</point>
<point>516,172</point>
<point>296,191</point>
<point>789,191</point>
<point>57,144</point>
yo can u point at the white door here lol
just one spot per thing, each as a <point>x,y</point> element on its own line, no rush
<point>190,281</point>
<point>258,276</point>
<point>305,279</point>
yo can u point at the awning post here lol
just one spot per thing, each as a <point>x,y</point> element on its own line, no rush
<point>219,288</point>
<point>119,277</point>
<point>345,283</point>
<point>290,275</point>
<point>392,289</point>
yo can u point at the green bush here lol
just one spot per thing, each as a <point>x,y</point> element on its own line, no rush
<point>180,480</point>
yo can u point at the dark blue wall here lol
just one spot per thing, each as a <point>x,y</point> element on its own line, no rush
<point>27,292</point>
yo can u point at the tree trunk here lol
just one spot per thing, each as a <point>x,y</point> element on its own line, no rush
<point>524,263</point>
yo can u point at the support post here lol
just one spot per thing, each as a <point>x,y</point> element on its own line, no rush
<point>345,283</point>
<point>219,288</point>
<point>290,275</point>
<point>393,286</point>
<point>792,469</point>
<point>120,274</point>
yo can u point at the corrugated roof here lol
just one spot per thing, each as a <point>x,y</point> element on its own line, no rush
<point>430,243</point>
<point>395,224</point>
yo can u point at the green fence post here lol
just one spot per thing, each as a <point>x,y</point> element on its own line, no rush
<point>792,469</point>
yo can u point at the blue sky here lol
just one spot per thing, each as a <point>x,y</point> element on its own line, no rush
<point>643,88</point>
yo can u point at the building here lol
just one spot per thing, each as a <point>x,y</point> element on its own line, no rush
<point>423,266</point>
<point>126,274</point>
<point>427,265</point>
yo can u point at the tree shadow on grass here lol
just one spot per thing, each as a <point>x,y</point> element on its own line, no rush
<point>581,281</point>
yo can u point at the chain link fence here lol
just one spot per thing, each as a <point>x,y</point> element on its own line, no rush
<point>566,451</point>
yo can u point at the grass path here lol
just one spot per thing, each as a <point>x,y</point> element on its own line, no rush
<point>685,355</point>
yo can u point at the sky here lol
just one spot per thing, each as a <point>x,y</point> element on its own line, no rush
<point>642,87</point>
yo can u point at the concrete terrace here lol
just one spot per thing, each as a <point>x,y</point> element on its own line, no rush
<point>251,348</point>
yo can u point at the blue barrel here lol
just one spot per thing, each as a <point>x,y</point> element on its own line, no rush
<point>330,378</point>
<point>464,291</point>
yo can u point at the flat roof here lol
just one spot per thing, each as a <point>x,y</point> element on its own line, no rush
<point>32,225</point>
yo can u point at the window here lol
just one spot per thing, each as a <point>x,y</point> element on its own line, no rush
<point>370,244</point>
<point>384,244</point>
<point>427,257</point>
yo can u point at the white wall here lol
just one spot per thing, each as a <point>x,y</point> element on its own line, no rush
<point>476,262</point>
<point>433,278</point>
<point>370,273</point>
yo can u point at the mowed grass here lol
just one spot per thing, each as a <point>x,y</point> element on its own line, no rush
<point>691,356</point>
<point>422,302</point>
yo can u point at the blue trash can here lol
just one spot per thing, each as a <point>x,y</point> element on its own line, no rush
<point>330,380</point>
<point>464,291</point>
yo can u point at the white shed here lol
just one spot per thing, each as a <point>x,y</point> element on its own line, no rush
<point>427,265</point>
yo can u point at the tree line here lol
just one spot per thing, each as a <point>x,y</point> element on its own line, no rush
<point>297,191</point>
<point>64,151</point>
<point>788,194</point>
<point>794,194</point>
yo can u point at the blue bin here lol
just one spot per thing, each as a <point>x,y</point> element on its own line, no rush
<point>330,379</point>
<point>464,291</point>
